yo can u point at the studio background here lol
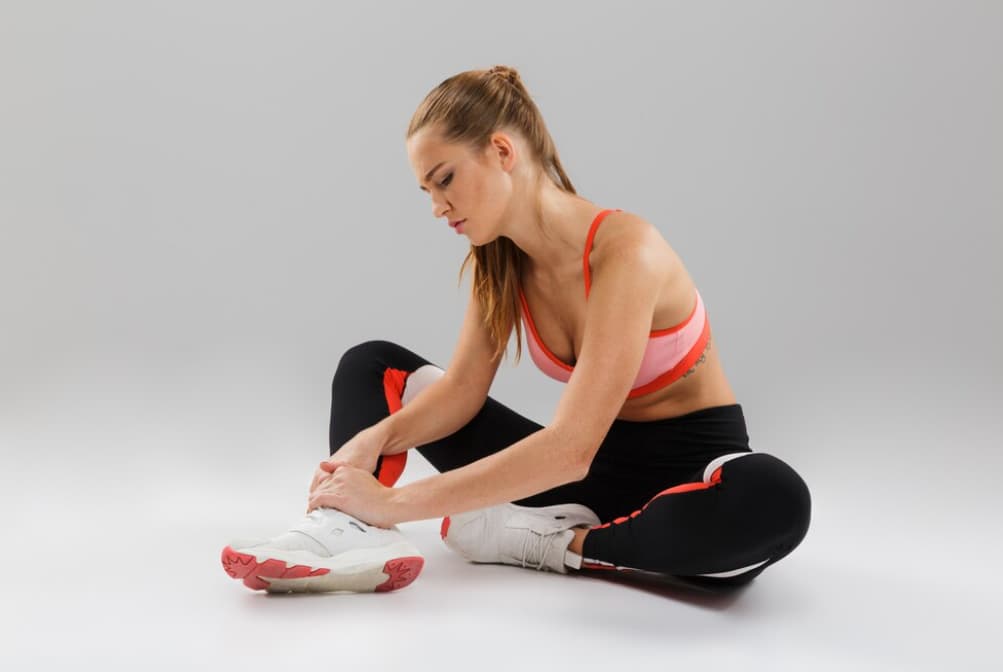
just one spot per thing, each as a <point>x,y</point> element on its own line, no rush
<point>204,204</point>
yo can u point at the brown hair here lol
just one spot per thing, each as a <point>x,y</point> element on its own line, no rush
<point>467,108</point>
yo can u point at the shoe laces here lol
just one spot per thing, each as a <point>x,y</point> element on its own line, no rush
<point>535,547</point>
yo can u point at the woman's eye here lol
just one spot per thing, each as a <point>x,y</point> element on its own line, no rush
<point>447,180</point>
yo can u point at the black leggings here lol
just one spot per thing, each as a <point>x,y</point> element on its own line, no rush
<point>665,507</point>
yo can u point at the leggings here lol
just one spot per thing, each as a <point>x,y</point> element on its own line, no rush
<point>684,496</point>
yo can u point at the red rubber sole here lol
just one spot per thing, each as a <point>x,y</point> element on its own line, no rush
<point>245,566</point>
<point>402,571</point>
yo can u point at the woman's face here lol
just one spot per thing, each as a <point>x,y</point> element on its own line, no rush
<point>464,184</point>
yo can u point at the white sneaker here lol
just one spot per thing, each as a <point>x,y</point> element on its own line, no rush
<point>328,551</point>
<point>526,536</point>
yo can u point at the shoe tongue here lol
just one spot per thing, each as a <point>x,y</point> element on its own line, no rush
<point>554,556</point>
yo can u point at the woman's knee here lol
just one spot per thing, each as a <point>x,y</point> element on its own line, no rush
<point>374,356</point>
<point>780,491</point>
<point>356,358</point>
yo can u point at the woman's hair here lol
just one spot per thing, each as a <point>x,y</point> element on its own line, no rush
<point>467,108</point>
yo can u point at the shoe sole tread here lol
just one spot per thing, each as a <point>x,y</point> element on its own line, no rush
<point>277,576</point>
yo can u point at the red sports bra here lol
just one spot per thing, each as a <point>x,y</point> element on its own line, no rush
<point>670,353</point>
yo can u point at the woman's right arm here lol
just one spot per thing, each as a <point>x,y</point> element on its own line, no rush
<point>455,398</point>
<point>439,410</point>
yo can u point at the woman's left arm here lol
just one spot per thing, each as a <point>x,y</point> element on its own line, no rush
<point>543,460</point>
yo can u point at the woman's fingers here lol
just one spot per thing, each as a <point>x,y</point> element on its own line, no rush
<point>327,478</point>
<point>321,475</point>
<point>324,474</point>
<point>324,469</point>
<point>325,499</point>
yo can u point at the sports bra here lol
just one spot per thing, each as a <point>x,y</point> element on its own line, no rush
<point>670,353</point>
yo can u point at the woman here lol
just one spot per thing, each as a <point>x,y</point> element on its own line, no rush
<point>646,465</point>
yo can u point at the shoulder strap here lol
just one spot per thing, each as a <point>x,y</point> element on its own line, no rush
<point>588,246</point>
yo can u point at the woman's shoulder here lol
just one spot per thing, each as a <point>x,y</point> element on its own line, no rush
<point>633,240</point>
<point>623,235</point>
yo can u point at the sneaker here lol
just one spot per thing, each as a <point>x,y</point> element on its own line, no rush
<point>328,551</point>
<point>526,536</point>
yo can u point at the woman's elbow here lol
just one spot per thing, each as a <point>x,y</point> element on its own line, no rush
<point>576,454</point>
<point>579,462</point>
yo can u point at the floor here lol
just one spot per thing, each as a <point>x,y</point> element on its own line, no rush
<point>114,533</point>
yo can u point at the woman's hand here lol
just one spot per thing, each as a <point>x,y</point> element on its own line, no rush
<point>356,492</point>
<point>362,451</point>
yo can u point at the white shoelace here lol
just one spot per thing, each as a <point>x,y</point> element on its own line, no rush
<point>535,547</point>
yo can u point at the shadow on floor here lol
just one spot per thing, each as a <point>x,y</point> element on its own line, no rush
<point>693,590</point>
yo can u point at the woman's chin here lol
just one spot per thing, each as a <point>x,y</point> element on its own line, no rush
<point>479,240</point>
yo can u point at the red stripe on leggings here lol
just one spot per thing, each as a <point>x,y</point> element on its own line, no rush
<point>715,478</point>
<point>393,388</point>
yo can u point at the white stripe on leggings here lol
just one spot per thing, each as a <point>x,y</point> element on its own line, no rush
<point>418,380</point>
<point>733,572</point>
<point>717,462</point>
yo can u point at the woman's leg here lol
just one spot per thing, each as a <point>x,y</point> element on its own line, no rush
<point>703,502</point>
<point>740,514</point>
<point>732,521</point>
<point>372,381</point>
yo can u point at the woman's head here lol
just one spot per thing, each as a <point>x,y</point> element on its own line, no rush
<point>485,143</point>
<point>470,184</point>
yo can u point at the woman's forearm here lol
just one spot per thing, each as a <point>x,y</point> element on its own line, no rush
<point>440,410</point>
<point>532,465</point>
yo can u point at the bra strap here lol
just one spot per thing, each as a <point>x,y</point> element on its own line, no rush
<point>588,246</point>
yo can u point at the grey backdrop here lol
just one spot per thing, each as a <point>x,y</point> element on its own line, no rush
<point>203,204</point>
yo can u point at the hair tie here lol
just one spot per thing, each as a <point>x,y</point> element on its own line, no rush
<point>507,73</point>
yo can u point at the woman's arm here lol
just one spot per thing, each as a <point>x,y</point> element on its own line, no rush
<point>440,410</point>
<point>539,462</point>
<point>455,398</point>
<point>625,288</point>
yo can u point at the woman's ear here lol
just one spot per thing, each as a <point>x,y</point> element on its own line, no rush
<point>502,149</point>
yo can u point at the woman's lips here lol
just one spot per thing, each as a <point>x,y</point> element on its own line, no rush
<point>458,226</point>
